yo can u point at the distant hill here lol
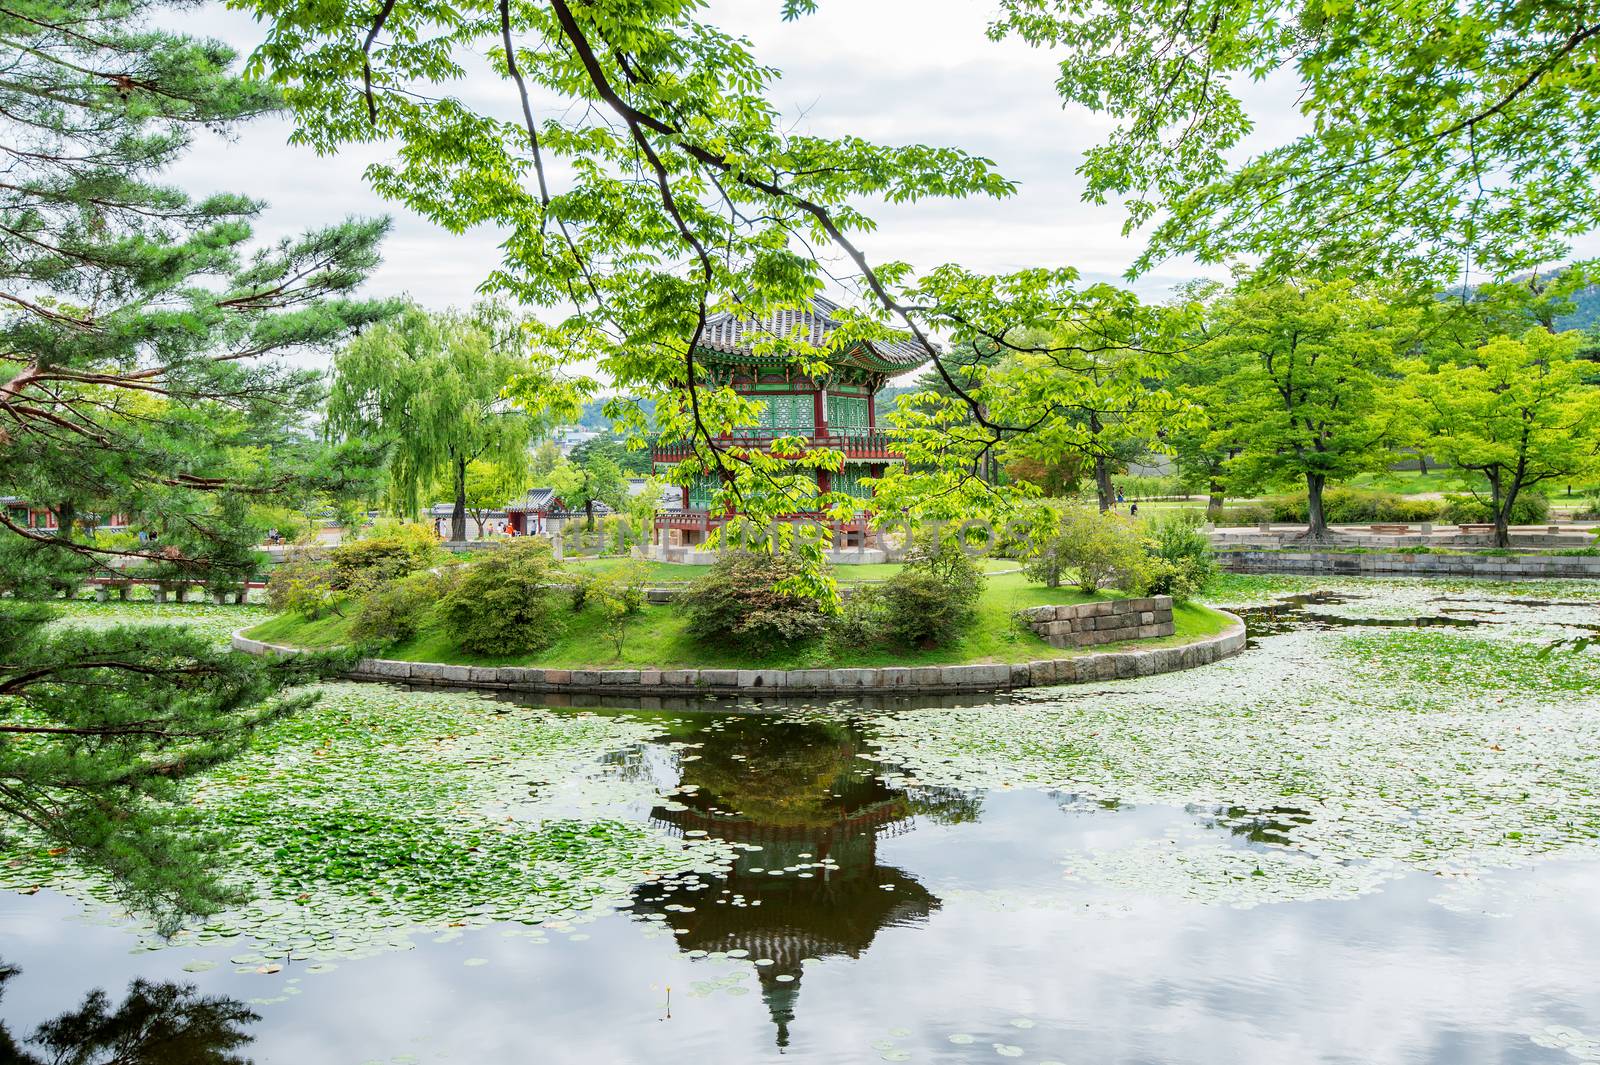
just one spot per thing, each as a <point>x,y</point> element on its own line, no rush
<point>1585,312</point>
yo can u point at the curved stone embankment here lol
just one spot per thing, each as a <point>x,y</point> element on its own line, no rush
<point>1396,564</point>
<point>1076,669</point>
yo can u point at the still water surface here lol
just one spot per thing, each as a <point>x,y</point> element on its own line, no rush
<point>947,908</point>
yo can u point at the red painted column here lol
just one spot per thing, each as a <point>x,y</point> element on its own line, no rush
<point>819,417</point>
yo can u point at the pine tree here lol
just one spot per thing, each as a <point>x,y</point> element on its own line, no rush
<point>140,373</point>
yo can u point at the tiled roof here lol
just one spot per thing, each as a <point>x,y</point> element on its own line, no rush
<point>736,336</point>
<point>536,499</point>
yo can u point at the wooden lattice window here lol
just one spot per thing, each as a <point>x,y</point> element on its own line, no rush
<point>789,414</point>
<point>848,415</point>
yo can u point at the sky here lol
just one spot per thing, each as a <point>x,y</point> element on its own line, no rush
<point>896,71</point>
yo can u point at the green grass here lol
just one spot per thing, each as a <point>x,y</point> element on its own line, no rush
<point>657,639</point>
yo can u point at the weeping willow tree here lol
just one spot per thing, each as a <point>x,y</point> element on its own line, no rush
<point>432,388</point>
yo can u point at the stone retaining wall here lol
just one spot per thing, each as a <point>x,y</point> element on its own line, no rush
<point>1086,624</point>
<point>908,679</point>
<point>1368,564</point>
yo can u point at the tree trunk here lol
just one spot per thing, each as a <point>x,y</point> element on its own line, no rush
<point>478,516</point>
<point>1316,522</point>
<point>1422,463</point>
<point>588,509</point>
<point>458,513</point>
<point>1501,502</point>
<point>1217,498</point>
<point>1102,483</point>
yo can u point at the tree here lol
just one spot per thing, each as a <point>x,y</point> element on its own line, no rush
<point>432,386</point>
<point>1517,411</point>
<point>597,480</point>
<point>490,485</point>
<point>137,375</point>
<point>1315,360</point>
<point>1458,136</point>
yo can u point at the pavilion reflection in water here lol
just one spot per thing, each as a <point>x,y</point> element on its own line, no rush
<point>800,792</point>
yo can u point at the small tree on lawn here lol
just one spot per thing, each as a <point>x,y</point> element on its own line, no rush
<point>1517,411</point>
<point>619,593</point>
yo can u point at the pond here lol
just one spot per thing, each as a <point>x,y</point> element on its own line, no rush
<point>1371,837</point>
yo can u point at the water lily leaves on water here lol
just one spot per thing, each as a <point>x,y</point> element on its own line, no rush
<point>384,816</point>
<point>1008,1050</point>
<point>476,961</point>
<point>1336,759</point>
<point>962,1039</point>
<point>200,966</point>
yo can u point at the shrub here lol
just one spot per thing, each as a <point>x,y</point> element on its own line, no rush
<point>739,599</point>
<point>1249,514</point>
<point>1100,548</point>
<point>934,597</point>
<point>304,585</point>
<point>1531,508</point>
<point>1148,486</point>
<point>393,612</point>
<point>391,552</point>
<point>1184,562</point>
<point>862,619</point>
<point>1357,506</point>
<point>505,602</point>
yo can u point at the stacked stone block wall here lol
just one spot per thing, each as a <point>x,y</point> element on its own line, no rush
<point>1107,621</point>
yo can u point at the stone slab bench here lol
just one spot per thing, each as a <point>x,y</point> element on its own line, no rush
<point>976,677</point>
<point>1396,530</point>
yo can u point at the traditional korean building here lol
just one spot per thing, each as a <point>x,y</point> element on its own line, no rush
<point>834,412</point>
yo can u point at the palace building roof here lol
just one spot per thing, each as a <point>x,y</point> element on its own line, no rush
<point>736,338</point>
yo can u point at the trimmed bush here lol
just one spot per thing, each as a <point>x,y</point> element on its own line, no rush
<point>505,603</point>
<point>1099,548</point>
<point>739,600</point>
<point>1357,506</point>
<point>389,554</point>
<point>1531,508</point>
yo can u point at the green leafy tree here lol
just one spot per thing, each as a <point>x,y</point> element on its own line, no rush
<point>597,479</point>
<point>1315,363</point>
<point>1518,411</point>
<point>491,485</point>
<point>1097,547</point>
<point>139,375</point>
<point>433,387</point>
<point>1460,136</point>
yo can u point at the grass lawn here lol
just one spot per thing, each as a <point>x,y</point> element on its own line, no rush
<point>656,638</point>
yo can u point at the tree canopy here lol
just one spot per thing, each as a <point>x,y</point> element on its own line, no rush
<point>1442,139</point>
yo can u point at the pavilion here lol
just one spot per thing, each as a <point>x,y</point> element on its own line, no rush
<point>835,411</point>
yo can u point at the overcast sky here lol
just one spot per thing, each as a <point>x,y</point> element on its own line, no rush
<point>896,71</point>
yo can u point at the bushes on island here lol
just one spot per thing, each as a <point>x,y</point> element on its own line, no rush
<point>1096,548</point>
<point>934,597</point>
<point>507,602</point>
<point>743,599</point>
